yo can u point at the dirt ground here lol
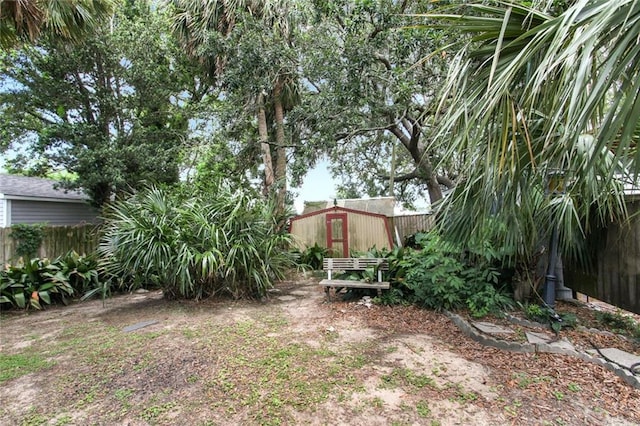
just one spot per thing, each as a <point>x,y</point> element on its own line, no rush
<point>292,359</point>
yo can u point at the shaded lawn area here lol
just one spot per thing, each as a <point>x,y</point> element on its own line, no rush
<point>290,360</point>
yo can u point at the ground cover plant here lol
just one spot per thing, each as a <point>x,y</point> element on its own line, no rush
<point>193,246</point>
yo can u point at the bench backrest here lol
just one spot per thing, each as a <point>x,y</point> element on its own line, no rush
<point>354,264</point>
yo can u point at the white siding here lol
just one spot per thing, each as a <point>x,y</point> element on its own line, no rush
<point>51,213</point>
<point>3,221</point>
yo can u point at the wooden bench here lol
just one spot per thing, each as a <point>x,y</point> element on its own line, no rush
<point>353,264</point>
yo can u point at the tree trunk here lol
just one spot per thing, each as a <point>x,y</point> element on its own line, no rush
<point>410,138</point>
<point>264,145</point>
<point>435,192</point>
<point>281,155</point>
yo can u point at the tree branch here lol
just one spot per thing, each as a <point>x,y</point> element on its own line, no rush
<point>398,133</point>
<point>356,132</point>
<point>442,180</point>
<point>386,62</point>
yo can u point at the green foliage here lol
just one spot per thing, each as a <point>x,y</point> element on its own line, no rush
<point>535,312</point>
<point>113,110</point>
<point>619,323</point>
<point>545,315</point>
<point>80,271</point>
<point>196,246</point>
<point>393,296</point>
<point>34,282</point>
<point>28,238</point>
<point>513,119</point>
<point>37,281</point>
<point>70,21</point>
<point>379,80</point>
<point>441,278</point>
<point>313,256</point>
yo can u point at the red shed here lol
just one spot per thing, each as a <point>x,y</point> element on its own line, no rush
<point>342,230</point>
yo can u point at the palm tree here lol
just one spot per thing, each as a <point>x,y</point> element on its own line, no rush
<point>26,20</point>
<point>534,93</point>
<point>204,26</point>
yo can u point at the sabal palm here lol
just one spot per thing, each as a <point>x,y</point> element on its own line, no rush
<point>25,20</point>
<point>204,25</point>
<point>532,93</point>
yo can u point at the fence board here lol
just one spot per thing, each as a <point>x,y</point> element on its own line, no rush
<point>410,224</point>
<point>57,241</point>
<point>614,276</point>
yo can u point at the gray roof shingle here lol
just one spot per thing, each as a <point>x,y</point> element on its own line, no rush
<point>23,186</point>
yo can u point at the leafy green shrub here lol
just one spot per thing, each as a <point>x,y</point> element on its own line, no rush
<point>313,256</point>
<point>31,283</point>
<point>393,296</point>
<point>545,315</point>
<point>619,323</point>
<point>192,247</point>
<point>80,271</point>
<point>28,238</point>
<point>37,281</point>
<point>441,278</point>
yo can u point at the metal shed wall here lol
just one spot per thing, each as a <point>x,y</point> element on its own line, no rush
<point>365,230</point>
<point>51,213</point>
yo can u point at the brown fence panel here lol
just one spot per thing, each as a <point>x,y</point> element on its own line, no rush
<point>57,241</point>
<point>614,276</point>
<point>410,224</point>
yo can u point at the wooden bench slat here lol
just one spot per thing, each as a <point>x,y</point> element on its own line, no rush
<point>355,264</point>
<point>354,284</point>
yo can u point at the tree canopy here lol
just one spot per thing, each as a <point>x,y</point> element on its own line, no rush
<point>540,93</point>
<point>114,109</point>
<point>26,20</point>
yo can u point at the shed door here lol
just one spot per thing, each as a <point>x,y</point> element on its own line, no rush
<point>337,235</point>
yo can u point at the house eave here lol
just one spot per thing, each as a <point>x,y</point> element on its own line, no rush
<point>45,199</point>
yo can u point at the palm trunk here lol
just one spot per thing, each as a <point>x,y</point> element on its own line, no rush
<point>281,155</point>
<point>264,145</point>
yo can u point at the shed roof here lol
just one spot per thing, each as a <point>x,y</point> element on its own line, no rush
<point>379,205</point>
<point>34,187</point>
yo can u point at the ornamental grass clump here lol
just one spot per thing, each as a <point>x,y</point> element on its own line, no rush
<point>196,246</point>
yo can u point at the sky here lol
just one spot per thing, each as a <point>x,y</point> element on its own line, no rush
<point>317,185</point>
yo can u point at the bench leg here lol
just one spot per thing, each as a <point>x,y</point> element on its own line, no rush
<point>327,291</point>
<point>379,292</point>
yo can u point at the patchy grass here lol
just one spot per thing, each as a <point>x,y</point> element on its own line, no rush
<point>253,369</point>
<point>18,365</point>
<point>404,377</point>
<point>273,363</point>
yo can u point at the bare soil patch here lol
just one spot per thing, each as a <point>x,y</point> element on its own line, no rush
<point>292,359</point>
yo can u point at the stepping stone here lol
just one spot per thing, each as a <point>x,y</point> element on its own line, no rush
<point>618,356</point>
<point>138,325</point>
<point>546,339</point>
<point>537,338</point>
<point>490,328</point>
<point>286,298</point>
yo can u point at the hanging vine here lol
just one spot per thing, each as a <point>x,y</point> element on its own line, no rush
<point>28,238</point>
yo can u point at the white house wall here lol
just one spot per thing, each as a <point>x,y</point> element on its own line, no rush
<point>51,213</point>
<point>3,209</point>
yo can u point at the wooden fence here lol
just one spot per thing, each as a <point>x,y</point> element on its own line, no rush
<point>614,273</point>
<point>57,241</point>
<point>410,224</point>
